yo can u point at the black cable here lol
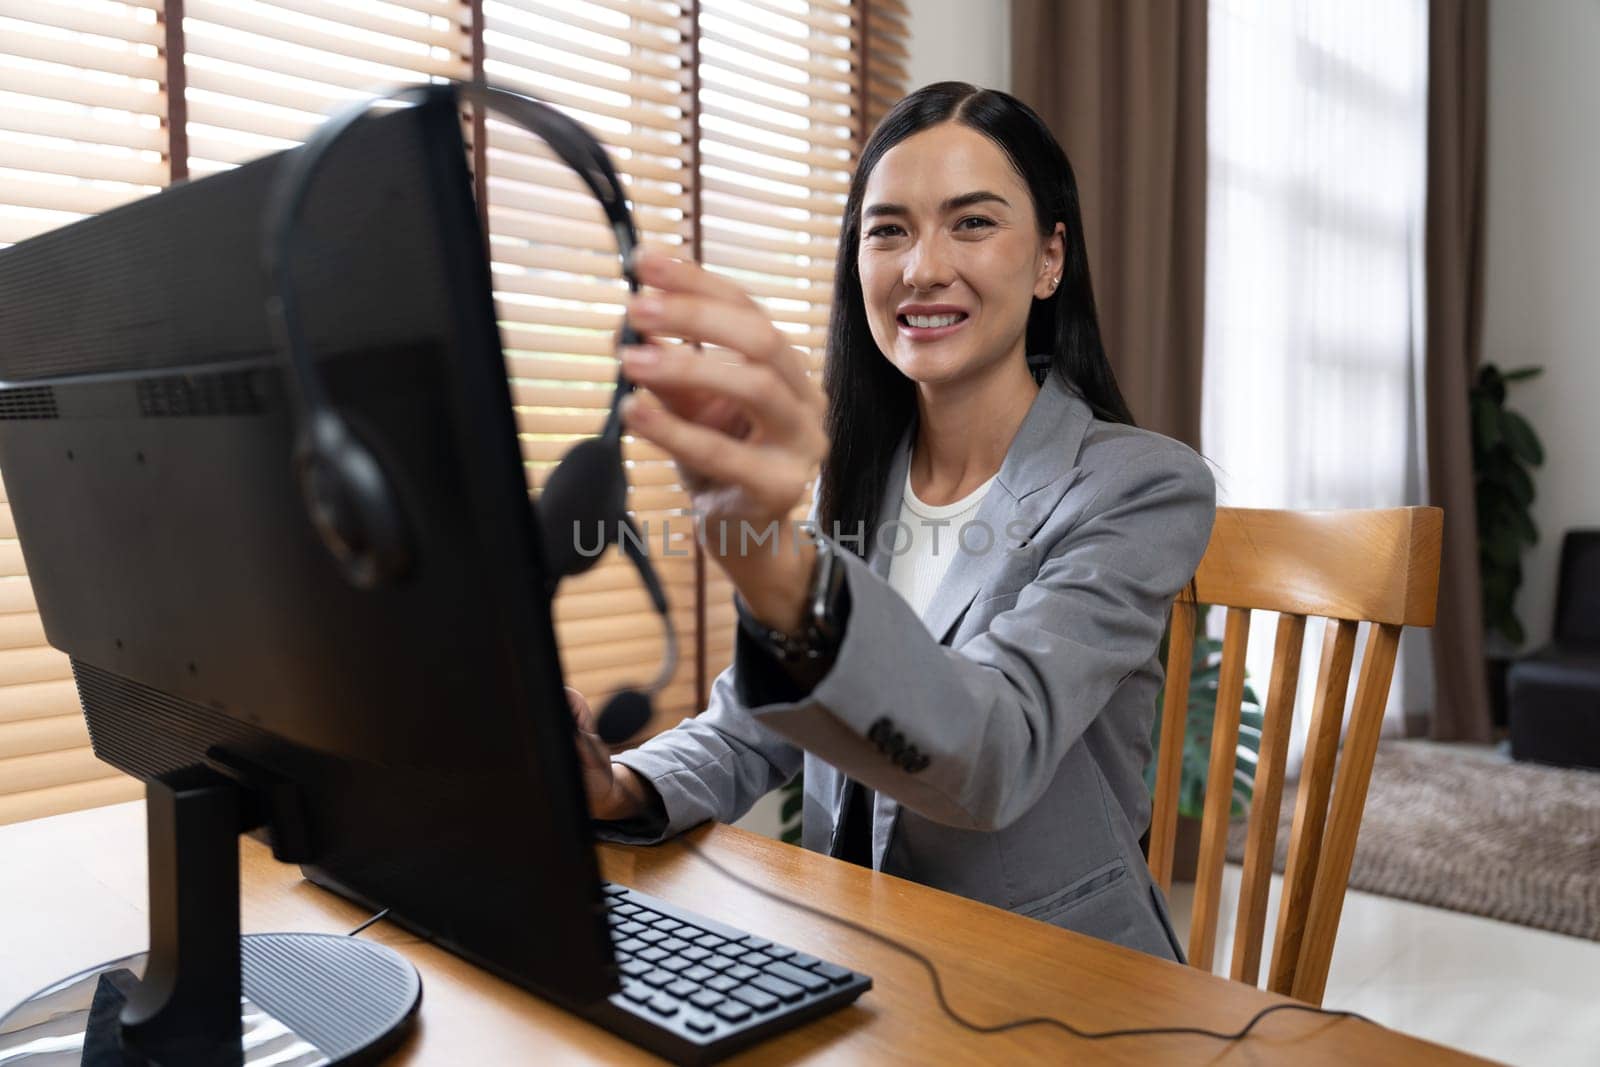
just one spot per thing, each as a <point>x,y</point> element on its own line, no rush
<point>1014,1024</point>
<point>376,918</point>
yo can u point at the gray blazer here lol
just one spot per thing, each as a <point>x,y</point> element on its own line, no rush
<point>1007,753</point>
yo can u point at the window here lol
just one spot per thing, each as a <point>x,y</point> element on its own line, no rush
<point>1316,127</point>
<point>735,125</point>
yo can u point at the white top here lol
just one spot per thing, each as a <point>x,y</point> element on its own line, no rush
<point>925,542</point>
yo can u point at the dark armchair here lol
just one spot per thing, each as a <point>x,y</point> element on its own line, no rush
<point>1554,693</point>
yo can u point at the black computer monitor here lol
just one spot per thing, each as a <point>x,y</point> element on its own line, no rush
<point>410,746</point>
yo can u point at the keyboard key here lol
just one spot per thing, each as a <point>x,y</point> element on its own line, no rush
<point>709,941</point>
<point>634,968</point>
<point>705,998</point>
<point>674,944</point>
<point>631,944</point>
<point>741,972</point>
<point>717,963</point>
<point>754,959</point>
<point>694,952</point>
<point>800,959</point>
<point>833,972</point>
<point>681,989</point>
<point>755,998</point>
<point>756,943</point>
<point>733,1012</point>
<point>663,1005</point>
<point>652,937</point>
<point>659,979</point>
<point>721,983</point>
<point>666,925</point>
<point>698,973</point>
<point>637,991</point>
<point>700,1024</point>
<point>807,980</point>
<point>613,890</point>
<point>675,964</point>
<point>626,909</point>
<point>629,928</point>
<point>779,952</point>
<point>651,953</point>
<point>787,992</point>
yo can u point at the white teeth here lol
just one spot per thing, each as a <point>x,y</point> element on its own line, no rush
<point>932,321</point>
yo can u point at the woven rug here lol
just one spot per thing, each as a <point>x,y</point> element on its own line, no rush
<point>1511,841</point>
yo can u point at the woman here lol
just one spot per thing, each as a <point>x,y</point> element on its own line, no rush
<point>967,666</point>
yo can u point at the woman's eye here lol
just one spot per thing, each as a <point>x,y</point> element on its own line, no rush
<point>978,223</point>
<point>889,230</point>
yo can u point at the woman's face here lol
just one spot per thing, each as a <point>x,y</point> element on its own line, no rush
<point>950,257</point>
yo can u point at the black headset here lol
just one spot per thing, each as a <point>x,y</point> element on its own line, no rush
<point>348,497</point>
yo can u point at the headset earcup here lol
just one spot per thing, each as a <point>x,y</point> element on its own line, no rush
<point>624,715</point>
<point>583,500</point>
<point>351,505</point>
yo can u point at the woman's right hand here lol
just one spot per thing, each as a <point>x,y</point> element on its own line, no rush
<point>613,791</point>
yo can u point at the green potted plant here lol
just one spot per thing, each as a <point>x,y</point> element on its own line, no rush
<point>1205,669</point>
<point>1504,451</point>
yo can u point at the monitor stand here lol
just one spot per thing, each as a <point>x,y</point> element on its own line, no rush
<point>202,994</point>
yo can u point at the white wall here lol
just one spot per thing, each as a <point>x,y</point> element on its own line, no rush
<point>961,40</point>
<point>1542,282</point>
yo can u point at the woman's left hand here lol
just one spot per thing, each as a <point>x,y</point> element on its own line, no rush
<point>747,432</point>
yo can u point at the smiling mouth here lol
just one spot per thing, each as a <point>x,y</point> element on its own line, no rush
<point>931,323</point>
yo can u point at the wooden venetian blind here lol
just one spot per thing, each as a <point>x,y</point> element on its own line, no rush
<point>788,91</point>
<point>80,131</point>
<point>260,76</point>
<point>621,67</point>
<point>734,123</point>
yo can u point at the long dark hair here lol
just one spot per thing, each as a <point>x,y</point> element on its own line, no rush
<point>870,402</point>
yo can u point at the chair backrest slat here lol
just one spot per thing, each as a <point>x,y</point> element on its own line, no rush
<point>1219,791</point>
<point>1266,798</point>
<point>1344,817</point>
<point>1379,567</point>
<point>1169,758</point>
<point>1311,799</point>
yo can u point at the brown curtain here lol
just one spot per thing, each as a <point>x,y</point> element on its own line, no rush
<point>1122,83</point>
<point>1457,62</point>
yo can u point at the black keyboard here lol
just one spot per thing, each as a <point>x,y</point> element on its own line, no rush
<point>695,990</point>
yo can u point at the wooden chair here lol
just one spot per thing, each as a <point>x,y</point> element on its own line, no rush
<point>1379,567</point>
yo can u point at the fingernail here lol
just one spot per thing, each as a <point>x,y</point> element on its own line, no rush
<point>633,412</point>
<point>645,306</point>
<point>641,356</point>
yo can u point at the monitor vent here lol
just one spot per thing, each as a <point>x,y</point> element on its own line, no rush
<point>226,393</point>
<point>29,402</point>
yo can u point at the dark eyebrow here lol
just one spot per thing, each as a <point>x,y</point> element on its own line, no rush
<point>955,203</point>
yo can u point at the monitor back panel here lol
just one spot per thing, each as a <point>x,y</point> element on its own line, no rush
<point>146,436</point>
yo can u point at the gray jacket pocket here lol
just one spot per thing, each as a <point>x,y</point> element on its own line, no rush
<point>1053,904</point>
<point>1110,904</point>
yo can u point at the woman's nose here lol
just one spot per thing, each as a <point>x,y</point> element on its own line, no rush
<point>927,267</point>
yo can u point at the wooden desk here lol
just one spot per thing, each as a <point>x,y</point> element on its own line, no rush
<point>72,893</point>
